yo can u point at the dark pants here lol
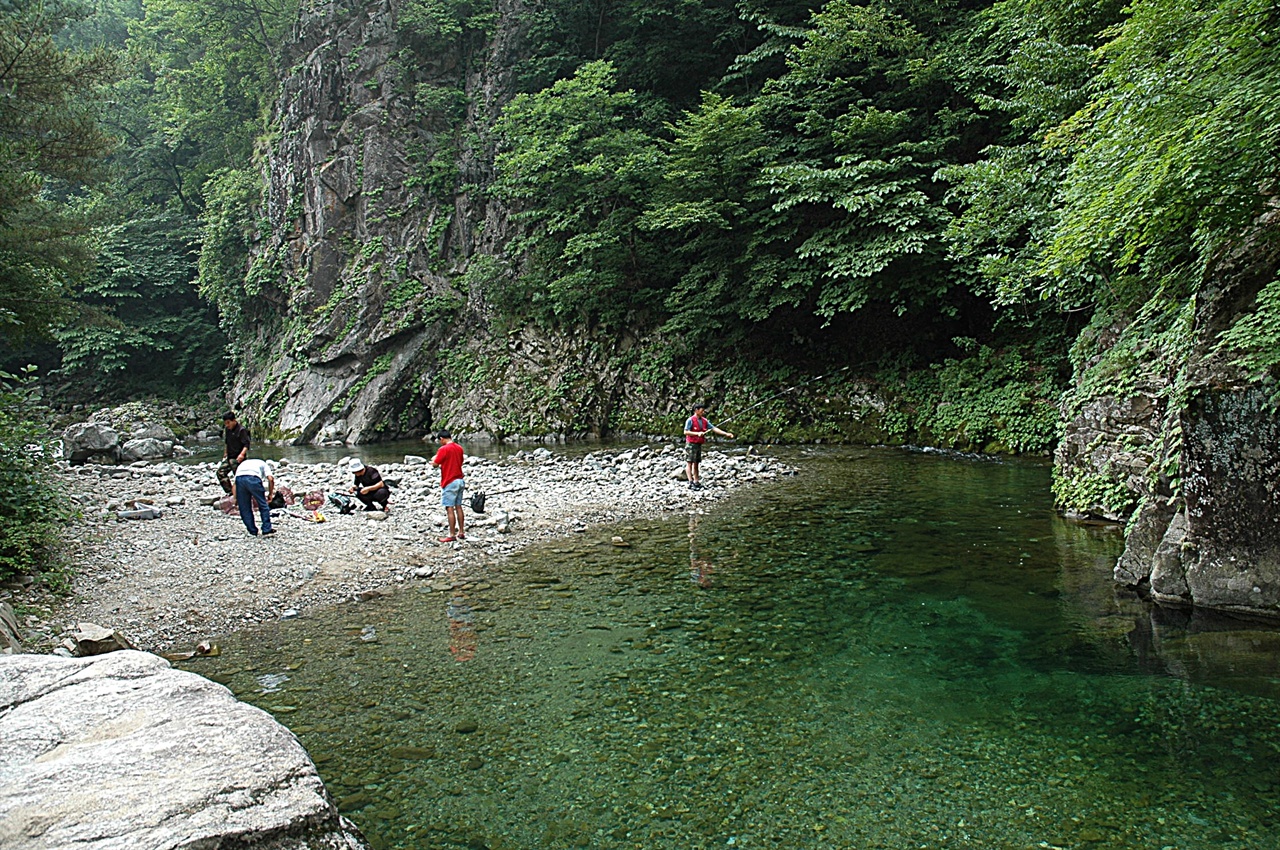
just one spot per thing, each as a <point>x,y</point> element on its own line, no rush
<point>378,497</point>
<point>250,492</point>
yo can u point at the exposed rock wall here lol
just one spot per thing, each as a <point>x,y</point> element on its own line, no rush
<point>1222,550</point>
<point>1197,457</point>
<point>120,750</point>
<point>372,321</point>
<point>376,128</point>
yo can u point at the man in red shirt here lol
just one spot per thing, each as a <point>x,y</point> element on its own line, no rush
<point>696,428</point>
<point>449,460</point>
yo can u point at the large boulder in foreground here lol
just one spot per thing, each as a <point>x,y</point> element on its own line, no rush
<point>121,750</point>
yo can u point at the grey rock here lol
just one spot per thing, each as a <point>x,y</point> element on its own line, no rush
<point>1133,569</point>
<point>1218,544</point>
<point>162,433</point>
<point>1231,478</point>
<point>10,636</point>
<point>1168,571</point>
<point>141,513</point>
<point>85,440</point>
<point>175,760</point>
<point>146,448</point>
<point>92,639</point>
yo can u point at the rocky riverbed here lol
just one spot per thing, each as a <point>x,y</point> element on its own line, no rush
<point>193,573</point>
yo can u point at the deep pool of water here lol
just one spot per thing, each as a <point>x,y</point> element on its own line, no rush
<point>892,649</point>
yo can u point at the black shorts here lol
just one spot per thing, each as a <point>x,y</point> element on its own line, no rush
<point>693,452</point>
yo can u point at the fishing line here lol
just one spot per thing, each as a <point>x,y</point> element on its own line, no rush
<point>784,391</point>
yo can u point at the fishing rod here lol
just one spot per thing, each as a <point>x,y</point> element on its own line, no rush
<point>784,391</point>
<point>477,501</point>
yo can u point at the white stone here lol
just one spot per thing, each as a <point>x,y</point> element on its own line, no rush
<point>175,760</point>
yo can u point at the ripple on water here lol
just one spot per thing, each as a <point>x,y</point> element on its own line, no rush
<point>893,650</point>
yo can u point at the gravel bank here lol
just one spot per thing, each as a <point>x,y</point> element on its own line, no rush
<point>194,573</point>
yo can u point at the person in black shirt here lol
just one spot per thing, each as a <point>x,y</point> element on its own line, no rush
<point>235,450</point>
<point>369,487</point>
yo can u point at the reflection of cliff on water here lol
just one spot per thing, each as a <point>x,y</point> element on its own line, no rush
<point>1208,647</point>
<point>1198,645</point>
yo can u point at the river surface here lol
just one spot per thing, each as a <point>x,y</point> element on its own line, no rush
<point>892,649</point>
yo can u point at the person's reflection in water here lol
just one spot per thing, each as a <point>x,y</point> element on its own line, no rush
<point>699,568</point>
<point>462,629</point>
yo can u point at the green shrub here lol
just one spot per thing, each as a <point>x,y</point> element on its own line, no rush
<point>31,506</point>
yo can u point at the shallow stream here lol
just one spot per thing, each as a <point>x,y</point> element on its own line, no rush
<point>892,649</point>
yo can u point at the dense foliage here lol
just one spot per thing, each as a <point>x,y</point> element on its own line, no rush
<point>50,144</point>
<point>961,171</point>
<point>30,503</point>
<point>187,100</point>
<point>930,191</point>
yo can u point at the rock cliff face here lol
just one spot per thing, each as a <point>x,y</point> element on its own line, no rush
<point>120,750</point>
<point>378,251</point>
<point>1197,451</point>
<point>378,126</point>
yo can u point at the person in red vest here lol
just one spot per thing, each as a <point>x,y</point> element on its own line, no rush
<point>449,461</point>
<point>696,428</point>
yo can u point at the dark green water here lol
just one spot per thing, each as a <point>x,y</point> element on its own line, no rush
<point>892,649</point>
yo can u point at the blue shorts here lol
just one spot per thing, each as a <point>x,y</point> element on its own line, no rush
<point>451,497</point>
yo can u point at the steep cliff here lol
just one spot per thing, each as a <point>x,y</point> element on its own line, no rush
<point>380,244</point>
<point>1169,430</point>
<point>373,206</point>
<point>381,251</point>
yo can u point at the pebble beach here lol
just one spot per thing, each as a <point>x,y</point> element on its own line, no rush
<point>169,583</point>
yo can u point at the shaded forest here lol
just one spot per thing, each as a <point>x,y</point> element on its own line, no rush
<point>997,209</point>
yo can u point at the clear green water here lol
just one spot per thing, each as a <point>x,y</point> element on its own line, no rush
<point>892,649</point>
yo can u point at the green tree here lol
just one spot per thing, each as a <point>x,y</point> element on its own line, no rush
<point>710,201</point>
<point>667,50</point>
<point>29,500</point>
<point>227,228</point>
<point>577,165</point>
<point>50,144</point>
<point>1031,68</point>
<point>140,324</point>
<point>1175,156</point>
<point>441,24</point>
<point>215,68</point>
<point>829,202</point>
